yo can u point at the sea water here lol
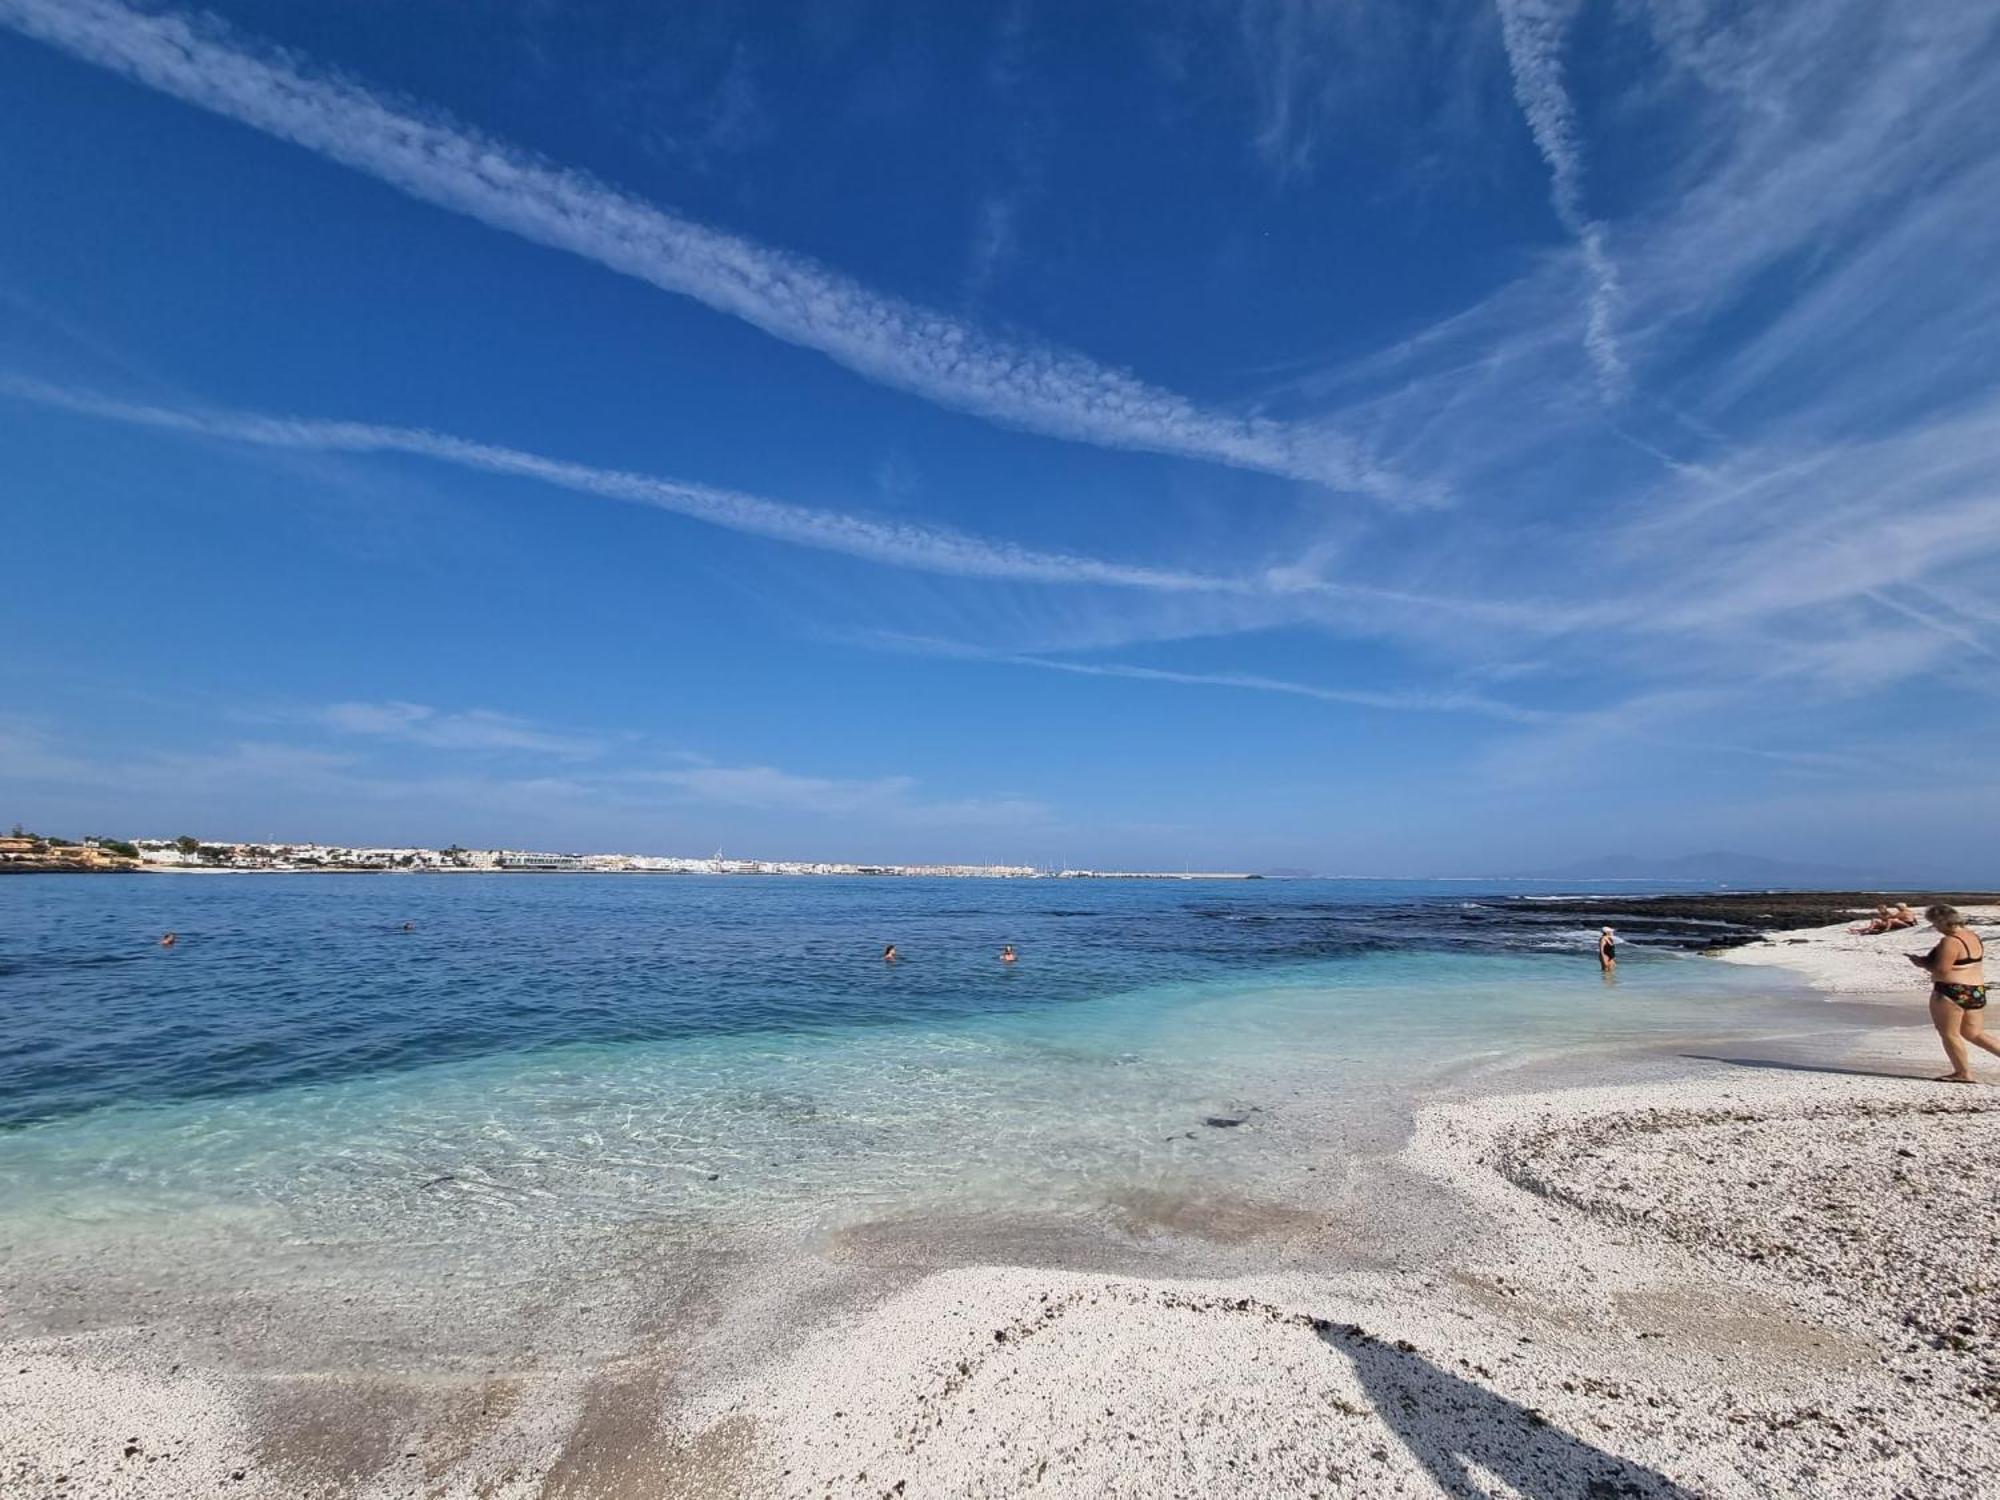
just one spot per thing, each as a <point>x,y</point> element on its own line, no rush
<point>583,1052</point>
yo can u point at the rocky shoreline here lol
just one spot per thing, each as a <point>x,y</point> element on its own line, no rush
<point>1729,919</point>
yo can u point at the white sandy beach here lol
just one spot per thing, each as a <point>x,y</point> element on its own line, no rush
<point>1765,1283</point>
<point>1842,962</point>
<point>1753,1277</point>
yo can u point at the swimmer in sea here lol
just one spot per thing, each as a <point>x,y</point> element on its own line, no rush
<point>889,954</point>
<point>1607,950</point>
<point>169,940</point>
<point>1006,953</point>
<point>409,927</point>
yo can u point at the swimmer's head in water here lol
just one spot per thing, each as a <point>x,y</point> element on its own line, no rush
<point>890,951</point>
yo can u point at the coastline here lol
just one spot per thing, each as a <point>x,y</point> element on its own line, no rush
<point>1841,962</point>
<point>1582,1336</point>
<point>1621,1284</point>
<point>24,867</point>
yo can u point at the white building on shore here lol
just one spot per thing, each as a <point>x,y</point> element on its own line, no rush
<point>280,856</point>
<point>523,859</point>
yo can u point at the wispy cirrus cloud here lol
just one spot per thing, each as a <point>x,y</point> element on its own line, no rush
<point>1299,591</point>
<point>1326,71</point>
<point>901,544</point>
<point>1669,722</point>
<point>1805,266</point>
<point>474,729</point>
<point>893,799</point>
<point>1779,532</point>
<point>29,752</point>
<point>1297,588</point>
<point>767,788</point>
<point>392,765</point>
<point>1444,701</point>
<point>1803,269</point>
<point>1534,31</point>
<point>1545,740</point>
<point>1039,387</point>
<point>996,240</point>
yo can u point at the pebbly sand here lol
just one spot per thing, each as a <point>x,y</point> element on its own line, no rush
<point>1747,1274</point>
<point>1848,963</point>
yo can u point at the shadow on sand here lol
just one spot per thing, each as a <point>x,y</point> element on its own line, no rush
<point>1461,1432</point>
<point>1784,1066</point>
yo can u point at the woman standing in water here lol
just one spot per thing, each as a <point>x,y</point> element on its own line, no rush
<point>1957,966</point>
<point>1607,950</point>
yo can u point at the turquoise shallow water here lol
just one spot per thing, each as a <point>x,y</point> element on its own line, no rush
<point>579,1052</point>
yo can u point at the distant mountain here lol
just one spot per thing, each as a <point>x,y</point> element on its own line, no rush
<point>1718,866</point>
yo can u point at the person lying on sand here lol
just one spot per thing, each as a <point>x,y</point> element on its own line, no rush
<point>1957,966</point>
<point>1887,919</point>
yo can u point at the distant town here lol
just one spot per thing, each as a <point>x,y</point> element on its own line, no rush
<point>22,852</point>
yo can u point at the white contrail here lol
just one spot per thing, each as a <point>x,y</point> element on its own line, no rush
<point>926,548</point>
<point>1533,32</point>
<point>1406,702</point>
<point>1435,703</point>
<point>1937,624</point>
<point>1038,387</point>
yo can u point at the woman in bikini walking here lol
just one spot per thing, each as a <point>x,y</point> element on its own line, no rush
<point>1957,966</point>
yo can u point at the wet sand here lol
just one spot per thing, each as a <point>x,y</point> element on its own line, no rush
<point>1726,1269</point>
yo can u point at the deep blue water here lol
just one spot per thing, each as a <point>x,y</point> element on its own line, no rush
<point>301,979</point>
<point>569,1053</point>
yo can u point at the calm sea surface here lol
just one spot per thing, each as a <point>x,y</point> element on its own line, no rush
<point>590,1050</point>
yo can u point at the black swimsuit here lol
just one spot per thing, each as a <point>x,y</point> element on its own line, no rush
<point>1964,996</point>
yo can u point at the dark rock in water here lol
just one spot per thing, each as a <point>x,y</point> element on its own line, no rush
<point>436,1182</point>
<point>1224,1122</point>
<point>1718,919</point>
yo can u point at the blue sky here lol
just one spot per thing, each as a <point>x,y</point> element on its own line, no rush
<point>1380,438</point>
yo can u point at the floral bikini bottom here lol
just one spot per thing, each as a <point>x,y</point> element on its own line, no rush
<point>1964,996</point>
